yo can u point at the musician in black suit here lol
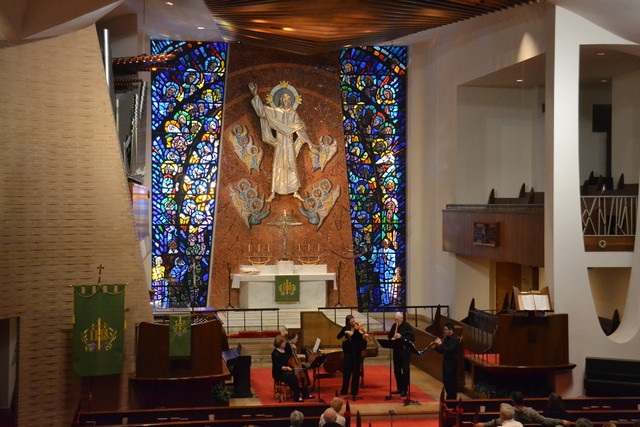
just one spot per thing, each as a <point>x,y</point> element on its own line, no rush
<point>401,330</point>
<point>352,346</point>
<point>449,348</point>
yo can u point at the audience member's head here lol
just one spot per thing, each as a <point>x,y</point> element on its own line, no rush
<point>555,402</point>
<point>330,415</point>
<point>296,419</point>
<point>337,403</point>
<point>583,422</point>
<point>517,398</point>
<point>507,411</point>
<point>609,424</point>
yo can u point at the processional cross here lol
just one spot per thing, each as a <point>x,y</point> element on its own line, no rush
<point>285,221</point>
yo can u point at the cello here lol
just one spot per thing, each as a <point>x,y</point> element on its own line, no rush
<point>299,370</point>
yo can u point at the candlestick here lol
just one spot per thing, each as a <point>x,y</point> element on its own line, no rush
<point>258,247</point>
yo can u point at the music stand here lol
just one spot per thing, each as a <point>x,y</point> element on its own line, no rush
<point>388,344</point>
<point>315,365</point>
<point>403,344</point>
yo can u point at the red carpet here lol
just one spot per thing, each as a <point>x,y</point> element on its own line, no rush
<point>376,378</point>
<point>422,422</point>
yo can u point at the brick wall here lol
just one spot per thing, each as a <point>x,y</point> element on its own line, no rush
<point>64,210</point>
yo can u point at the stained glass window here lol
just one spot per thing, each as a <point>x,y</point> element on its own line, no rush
<point>374,104</point>
<point>186,110</point>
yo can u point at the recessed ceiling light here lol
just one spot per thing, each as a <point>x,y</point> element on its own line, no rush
<point>201,28</point>
<point>168,3</point>
<point>601,53</point>
<point>604,80</point>
<point>519,80</point>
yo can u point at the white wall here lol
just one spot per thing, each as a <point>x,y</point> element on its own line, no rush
<point>440,62</point>
<point>496,131</point>
<point>592,144</point>
<point>626,125</point>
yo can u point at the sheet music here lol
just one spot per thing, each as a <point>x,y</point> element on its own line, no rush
<point>526,302</point>
<point>541,302</point>
<point>316,346</point>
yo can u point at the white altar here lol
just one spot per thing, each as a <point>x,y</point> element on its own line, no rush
<point>257,288</point>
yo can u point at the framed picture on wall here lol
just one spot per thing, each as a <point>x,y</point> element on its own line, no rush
<point>485,234</point>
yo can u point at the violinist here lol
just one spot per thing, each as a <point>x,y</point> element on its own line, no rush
<point>401,330</point>
<point>354,342</point>
<point>281,371</point>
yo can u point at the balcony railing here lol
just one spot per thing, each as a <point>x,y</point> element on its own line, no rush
<point>609,215</point>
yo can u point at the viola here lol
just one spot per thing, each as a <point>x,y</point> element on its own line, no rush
<point>361,328</point>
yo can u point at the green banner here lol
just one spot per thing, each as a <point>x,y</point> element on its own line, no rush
<point>180,335</point>
<point>287,288</point>
<point>98,330</point>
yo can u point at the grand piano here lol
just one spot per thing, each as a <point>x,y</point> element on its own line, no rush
<point>315,324</point>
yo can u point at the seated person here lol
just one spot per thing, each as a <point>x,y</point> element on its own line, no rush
<point>330,416</point>
<point>336,404</point>
<point>507,412</point>
<point>281,371</point>
<point>525,415</point>
<point>555,407</point>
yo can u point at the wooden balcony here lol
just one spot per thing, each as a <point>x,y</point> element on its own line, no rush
<point>500,232</point>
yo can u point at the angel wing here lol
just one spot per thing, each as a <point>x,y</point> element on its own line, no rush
<point>328,151</point>
<point>326,206</point>
<point>239,205</point>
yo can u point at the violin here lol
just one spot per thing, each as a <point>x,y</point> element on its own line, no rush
<point>361,328</point>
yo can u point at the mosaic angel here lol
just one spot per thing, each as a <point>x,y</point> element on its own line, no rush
<point>249,153</point>
<point>247,203</point>
<point>322,152</point>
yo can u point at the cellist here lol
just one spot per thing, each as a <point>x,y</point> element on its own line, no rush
<point>296,359</point>
<point>281,371</point>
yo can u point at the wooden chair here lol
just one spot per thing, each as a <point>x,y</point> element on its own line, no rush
<point>281,391</point>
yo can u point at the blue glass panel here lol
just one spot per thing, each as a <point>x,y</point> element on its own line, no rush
<point>373,85</point>
<point>186,109</point>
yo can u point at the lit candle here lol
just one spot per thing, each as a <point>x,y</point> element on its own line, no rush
<point>308,247</point>
<point>318,247</point>
<point>299,247</point>
<point>249,247</point>
<point>268,248</point>
<point>285,212</point>
<point>258,247</point>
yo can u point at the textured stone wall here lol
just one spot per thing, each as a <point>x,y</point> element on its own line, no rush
<point>64,210</point>
<point>316,78</point>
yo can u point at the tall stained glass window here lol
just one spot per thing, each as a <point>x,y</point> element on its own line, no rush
<point>374,117</point>
<point>186,111</point>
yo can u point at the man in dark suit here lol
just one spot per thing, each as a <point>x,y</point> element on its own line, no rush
<point>401,331</point>
<point>449,348</point>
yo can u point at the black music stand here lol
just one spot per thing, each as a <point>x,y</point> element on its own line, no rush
<point>409,346</point>
<point>315,365</point>
<point>390,345</point>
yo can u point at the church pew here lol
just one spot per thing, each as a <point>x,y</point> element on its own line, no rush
<point>197,414</point>
<point>262,422</point>
<point>611,377</point>
<point>539,403</point>
<point>598,410</point>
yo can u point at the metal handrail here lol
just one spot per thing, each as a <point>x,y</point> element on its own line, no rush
<point>244,316</point>
<point>385,310</point>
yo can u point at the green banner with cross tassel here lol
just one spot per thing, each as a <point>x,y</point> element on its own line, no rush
<point>98,330</point>
<point>180,335</point>
<point>288,288</point>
